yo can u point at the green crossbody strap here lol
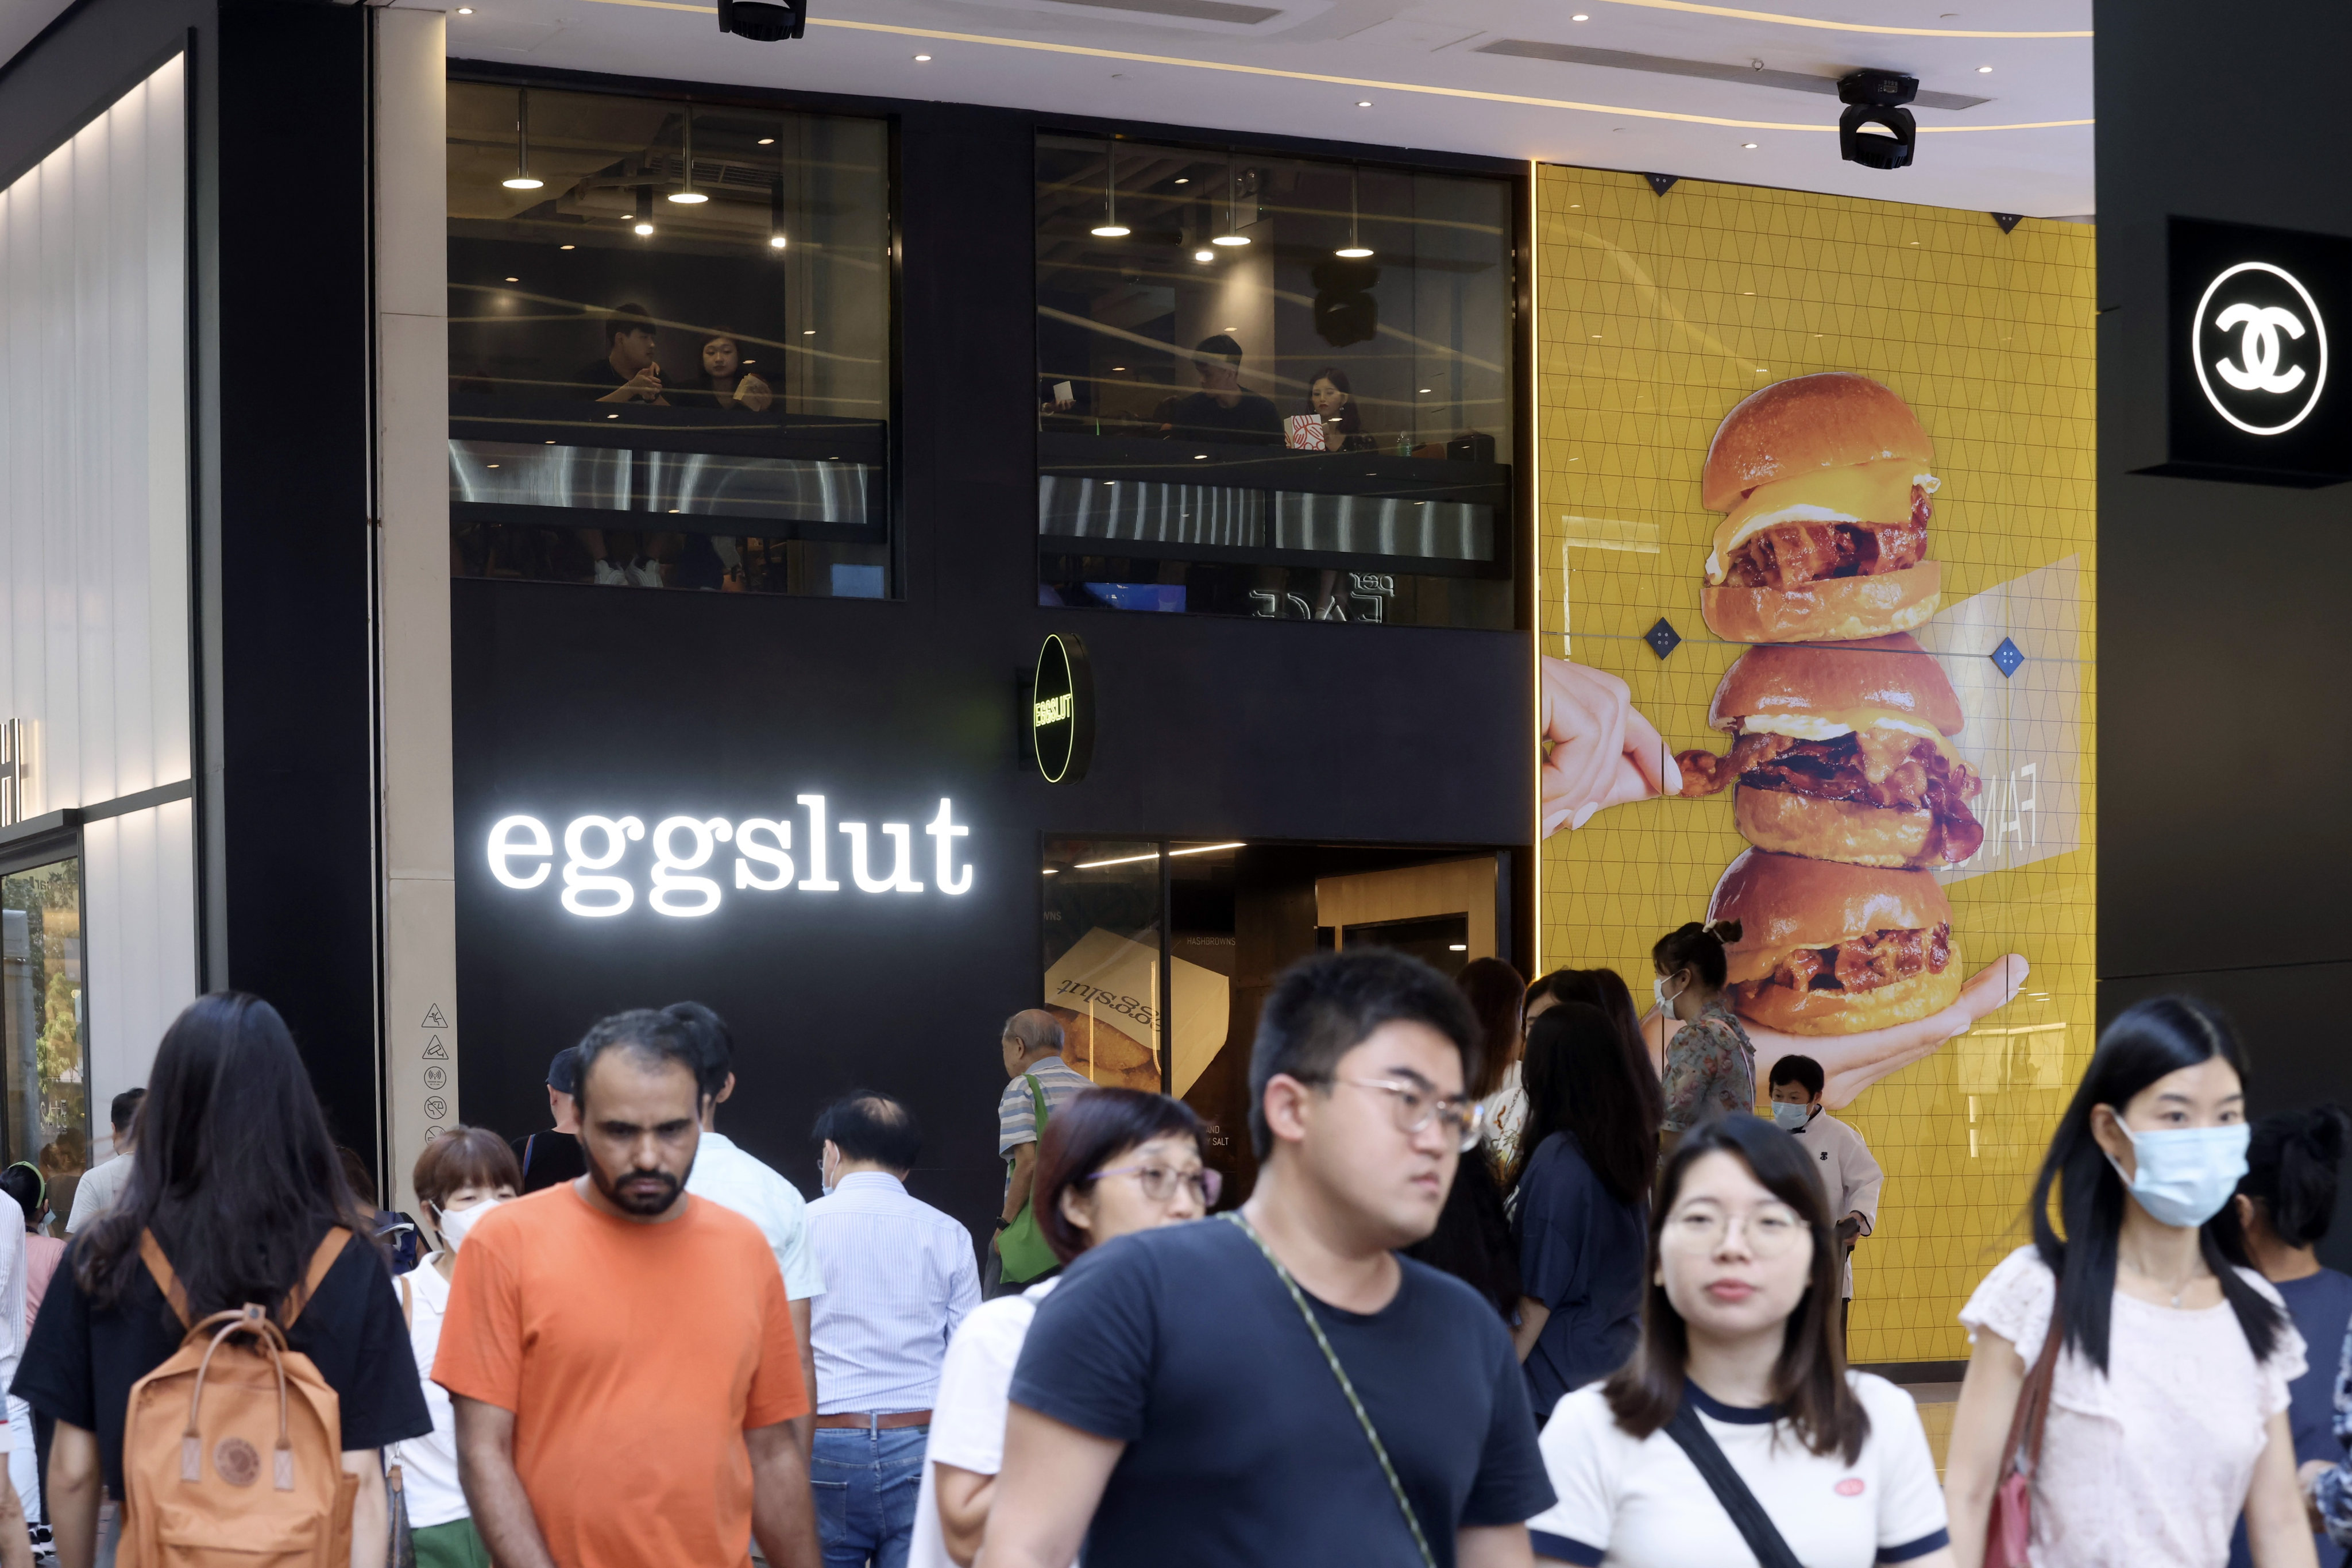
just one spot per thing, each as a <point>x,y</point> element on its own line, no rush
<point>1331,1358</point>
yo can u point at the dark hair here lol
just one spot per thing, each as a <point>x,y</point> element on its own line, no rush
<point>1090,1130</point>
<point>867,1125</point>
<point>2291,1170</point>
<point>1695,946</point>
<point>1808,1377</point>
<point>235,1170</point>
<point>1324,1007</point>
<point>563,1072</point>
<point>1578,1083</point>
<point>1221,347</point>
<point>356,1173</point>
<point>626,319</point>
<point>2145,1042</point>
<point>1497,995</point>
<point>125,1108</point>
<point>1798,1070</point>
<point>1350,420</point>
<point>714,1043</point>
<point>651,1038</point>
<point>464,1157</point>
<point>25,1184</point>
<point>1606,989</point>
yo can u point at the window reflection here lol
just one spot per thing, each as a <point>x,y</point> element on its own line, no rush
<point>678,312</point>
<point>1273,388</point>
<point>45,1024</point>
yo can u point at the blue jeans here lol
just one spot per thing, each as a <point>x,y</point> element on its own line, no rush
<point>866,1484</point>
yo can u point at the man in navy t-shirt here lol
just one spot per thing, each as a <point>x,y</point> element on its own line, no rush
<point>1174,1406</point>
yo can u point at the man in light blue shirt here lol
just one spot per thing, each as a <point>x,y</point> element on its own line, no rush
<point>899,1276</point>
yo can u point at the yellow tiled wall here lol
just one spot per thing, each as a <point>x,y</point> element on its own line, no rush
<point>1655,316</point>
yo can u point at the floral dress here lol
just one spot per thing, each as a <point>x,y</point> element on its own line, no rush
<point>1710,1067</point>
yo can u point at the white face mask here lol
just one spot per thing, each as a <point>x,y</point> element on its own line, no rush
<point>1658,990</point>
<point>453,1226</point>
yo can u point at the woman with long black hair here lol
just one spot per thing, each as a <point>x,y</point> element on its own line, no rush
<point>239,1184</point>
<point>1738,1389</point>
<point>1582,1201</point>
<point>2169,1360</point>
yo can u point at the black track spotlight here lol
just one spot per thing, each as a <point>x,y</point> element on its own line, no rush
<point>763,21</point>
<point>1876,97</point>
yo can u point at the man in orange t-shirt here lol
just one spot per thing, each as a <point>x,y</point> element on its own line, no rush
<point>621,1356</point>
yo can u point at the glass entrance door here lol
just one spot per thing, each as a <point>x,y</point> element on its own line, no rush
<point>45,1023</point>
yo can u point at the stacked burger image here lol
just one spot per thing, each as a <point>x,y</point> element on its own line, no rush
<point>1844,776</point>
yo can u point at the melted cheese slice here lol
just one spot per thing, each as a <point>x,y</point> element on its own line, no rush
<point>1830,726</point>
<point>1863,492</point>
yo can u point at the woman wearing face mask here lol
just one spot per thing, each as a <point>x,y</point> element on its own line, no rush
<point>1710,1065</point>
<point>462,1175</point>
<point>2170,1363</point>
<point>1114,1161</point>
<point>1736,1430</point>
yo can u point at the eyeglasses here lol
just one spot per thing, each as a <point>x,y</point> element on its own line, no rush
<point>1158,1183</point>
<point>1772,1231</point>
<point>1415,1107</point>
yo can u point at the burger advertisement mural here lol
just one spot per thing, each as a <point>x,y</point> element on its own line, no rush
<point>1815,550</point>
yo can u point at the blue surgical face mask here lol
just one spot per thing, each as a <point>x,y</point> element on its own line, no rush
<point>2184,1174</point>
<point>1791,1117</point>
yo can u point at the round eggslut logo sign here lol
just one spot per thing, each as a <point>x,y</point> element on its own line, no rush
<point>2260,348</point>
<point>1062,710</point>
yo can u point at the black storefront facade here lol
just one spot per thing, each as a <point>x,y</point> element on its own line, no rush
<point>1286,748</point>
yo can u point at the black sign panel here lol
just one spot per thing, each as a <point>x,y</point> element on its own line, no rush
<point>1062,717</point>
<point>2256,392</point>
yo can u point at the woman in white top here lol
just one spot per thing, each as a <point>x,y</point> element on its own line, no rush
<point>1739,1357</point>
<point>2168,1407</point>
<point>461,1176</point>
<point>1113,1161</point>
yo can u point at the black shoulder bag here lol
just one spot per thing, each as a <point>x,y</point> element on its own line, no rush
<point>1747,1515</point>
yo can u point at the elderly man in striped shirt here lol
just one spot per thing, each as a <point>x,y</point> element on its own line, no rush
<point>899,1276</point>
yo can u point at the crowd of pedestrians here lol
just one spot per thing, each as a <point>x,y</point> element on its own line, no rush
<point>1524,1275</point>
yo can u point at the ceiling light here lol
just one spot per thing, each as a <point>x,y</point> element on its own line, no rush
<point>1457,947</point>
<point>1229,239</point>
<point>644,229</point>
<point>1205,256</point>
<point>490,465</point>
<point>1051,871</point>
<point>1749,146</point>
<point>1114,367</point>
<point>465,10</point>
<point>767,141</point>
<point>1580,16</point>
<point>566,248</point>
<point>1984,71</point>
<point>514,279</point>
<point>777,240</point>
<point>685,195</point>
<point>921,57</point>
<point>1424,392</point>
<point>808,331</point>
<point>522,179</point>
<point>1110,228</point>
<point>1355,250</point>
<point>1363,103</point>
<point>1183,180</point>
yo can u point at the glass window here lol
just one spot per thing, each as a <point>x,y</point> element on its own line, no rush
<point>669,332</point>
<point>1104,957</point>
<point>1273,387</point>
<point>45,1024</point>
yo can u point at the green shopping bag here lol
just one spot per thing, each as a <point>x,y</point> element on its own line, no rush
<point>1022,1247</point>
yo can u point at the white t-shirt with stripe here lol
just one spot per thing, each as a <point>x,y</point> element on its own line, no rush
<point>1642,1503</point>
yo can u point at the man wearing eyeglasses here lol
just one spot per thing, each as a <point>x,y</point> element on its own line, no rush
<point>899,1276</point>
<point>1278,1385</point>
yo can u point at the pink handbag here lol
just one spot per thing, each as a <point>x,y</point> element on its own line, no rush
<point>2009,1529</point>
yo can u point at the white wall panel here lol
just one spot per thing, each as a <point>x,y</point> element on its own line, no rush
<point>93,443</point>
<point>139,909</point>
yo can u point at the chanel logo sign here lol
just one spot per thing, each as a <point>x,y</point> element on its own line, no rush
<point>2260,348</point>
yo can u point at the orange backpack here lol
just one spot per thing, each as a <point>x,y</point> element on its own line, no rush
<point>232,1452</point>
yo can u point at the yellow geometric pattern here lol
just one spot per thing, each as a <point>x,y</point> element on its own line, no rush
<point>1655,316</point>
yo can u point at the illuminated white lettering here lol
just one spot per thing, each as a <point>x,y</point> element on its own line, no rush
<point>577,888</point>
<point>943,829</point>
<point>1054,709</point>
<point>536,844</point>
<point>816,881</point>
<point>899,881</point>
<point>679,895</point>
<point>775,853</point>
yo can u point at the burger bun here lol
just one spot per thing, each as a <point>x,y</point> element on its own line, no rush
<point>1833,420</point>
<point>1829,609</point>
<point>1849,831</point>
